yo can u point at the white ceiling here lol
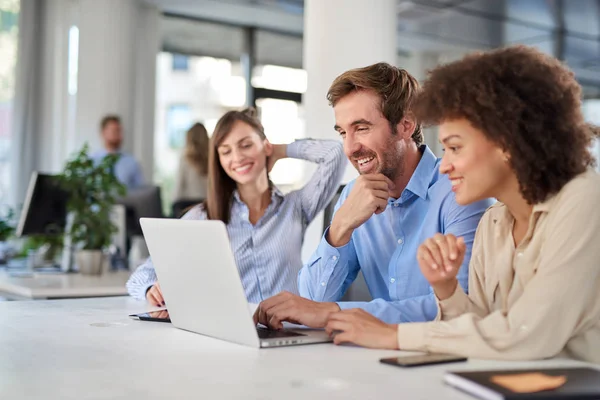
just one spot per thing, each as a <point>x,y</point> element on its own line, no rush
<point>423,25</point>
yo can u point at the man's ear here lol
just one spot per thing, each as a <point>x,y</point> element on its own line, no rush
<point>406,126</point>
<point>268,148</point>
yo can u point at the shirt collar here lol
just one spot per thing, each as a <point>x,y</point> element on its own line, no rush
<point>539,208</point>
<point>546,205</point>
<point>421,179</point>
<point>104,152</point>
<point>275,193</point>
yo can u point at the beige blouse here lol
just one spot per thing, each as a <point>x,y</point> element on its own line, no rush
<point>189,184</point>
<point>539,300</point>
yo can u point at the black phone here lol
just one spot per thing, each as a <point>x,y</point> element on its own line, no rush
<point>422,359</point>
<point>156,316</point>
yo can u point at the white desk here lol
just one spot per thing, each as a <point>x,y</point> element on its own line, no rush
<point>59,285</point>
<point>90,349</point>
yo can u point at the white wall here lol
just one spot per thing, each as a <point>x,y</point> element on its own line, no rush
<point>118,43</point>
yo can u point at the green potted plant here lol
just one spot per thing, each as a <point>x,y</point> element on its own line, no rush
<point>93,189</point>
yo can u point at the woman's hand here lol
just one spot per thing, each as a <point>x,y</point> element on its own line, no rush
<point>359,327</point>
<point>154,296</point>
<point>440,258</point>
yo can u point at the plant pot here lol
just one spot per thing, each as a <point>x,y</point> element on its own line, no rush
<point>90,261</point>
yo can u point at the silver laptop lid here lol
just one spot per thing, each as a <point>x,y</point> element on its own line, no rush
<point>199,278</point>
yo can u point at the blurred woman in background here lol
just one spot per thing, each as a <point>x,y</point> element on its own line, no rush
<point>192,176</point>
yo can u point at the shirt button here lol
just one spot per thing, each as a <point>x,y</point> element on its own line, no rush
<point>396,205</point>
<point>322,283</point>
<point>400,241</point>
<point>519,254</point>
<point>334,258</point>
<point>392,280</point>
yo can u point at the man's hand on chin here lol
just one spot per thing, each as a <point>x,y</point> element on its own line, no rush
<point>295,309</point>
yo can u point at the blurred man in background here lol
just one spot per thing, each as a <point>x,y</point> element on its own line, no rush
<point>127,170</point>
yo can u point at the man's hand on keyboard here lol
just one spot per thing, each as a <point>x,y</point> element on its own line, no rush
<point>295,309</point>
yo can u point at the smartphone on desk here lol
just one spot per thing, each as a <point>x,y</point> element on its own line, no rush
<point>155,316</point>
<point>422,359</point>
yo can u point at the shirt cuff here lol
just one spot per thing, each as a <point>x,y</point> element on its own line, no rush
<point>322,264</point>
<point>327,250</point>
<point>412,336</point>
<point>145,290</point>
<point>294,149</point>
<point>453,306</point>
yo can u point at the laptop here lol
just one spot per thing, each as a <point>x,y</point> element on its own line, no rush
<point>202,286</point>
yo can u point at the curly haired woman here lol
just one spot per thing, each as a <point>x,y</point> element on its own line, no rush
<point>512,128</point>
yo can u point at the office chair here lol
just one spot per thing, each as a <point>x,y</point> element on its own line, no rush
<point>328,211</point>
<point>180,207</point>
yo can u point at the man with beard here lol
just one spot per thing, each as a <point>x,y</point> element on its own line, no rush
<point>127,170</point>
<point>399,200</point>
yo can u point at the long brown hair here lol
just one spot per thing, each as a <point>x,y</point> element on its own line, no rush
<point>220,185</point>
<point>196,148</point>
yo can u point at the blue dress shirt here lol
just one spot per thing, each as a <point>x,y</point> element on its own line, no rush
<point>127,169</point>
<point>385,249</point>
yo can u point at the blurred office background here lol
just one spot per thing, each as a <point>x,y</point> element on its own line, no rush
<point>164,64</point>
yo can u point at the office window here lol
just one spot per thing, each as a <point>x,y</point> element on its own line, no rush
<point>280,78</point>
<point>179,119</point>
<point>211,87</point>
<point>591,112</point>
<point>283,119</point>
<point>180,62</point>
<point>284,122</point>
<point>9,17</point>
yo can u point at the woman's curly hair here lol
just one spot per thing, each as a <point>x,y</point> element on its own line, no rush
<point>526,102</point>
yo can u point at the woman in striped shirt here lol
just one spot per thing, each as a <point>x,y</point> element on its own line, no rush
<point>266,228</point>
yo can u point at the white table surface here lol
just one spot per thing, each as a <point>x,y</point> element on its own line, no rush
<point>90,349</point>
<point>60,285</point>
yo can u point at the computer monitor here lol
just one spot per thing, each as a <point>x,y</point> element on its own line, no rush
<point>45,207</point>
<point>141,202</point>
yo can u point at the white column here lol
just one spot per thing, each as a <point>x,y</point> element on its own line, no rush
<point>57,19</point>
<point>340,35</point>
<point>106,67</point>
<point>118,44</point>
<point>147,46</point>
<point>417,66</point>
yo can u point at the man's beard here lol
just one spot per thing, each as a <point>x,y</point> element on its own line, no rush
<point>115,144</point>
<point>393,164</point>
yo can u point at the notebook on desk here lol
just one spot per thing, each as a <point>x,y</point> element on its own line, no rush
<point>579,383</point>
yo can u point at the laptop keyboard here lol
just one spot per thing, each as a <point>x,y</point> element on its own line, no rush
<point>264,333</point>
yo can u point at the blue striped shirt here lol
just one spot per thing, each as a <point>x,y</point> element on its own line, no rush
<point>385,247</point>
<point>268,254</point>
